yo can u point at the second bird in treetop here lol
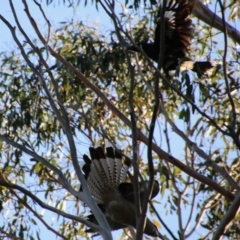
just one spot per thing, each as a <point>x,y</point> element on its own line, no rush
<point>178,35</point>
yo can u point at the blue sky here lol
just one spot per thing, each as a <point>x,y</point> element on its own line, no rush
<point>55,12</point>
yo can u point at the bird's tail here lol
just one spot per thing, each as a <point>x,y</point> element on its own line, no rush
<point>201,67</point>
<point>104,171</point>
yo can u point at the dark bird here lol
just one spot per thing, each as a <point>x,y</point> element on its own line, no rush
<point>178,35</point>
<point>105,175</point>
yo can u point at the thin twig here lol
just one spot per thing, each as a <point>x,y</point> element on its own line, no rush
<point>142,220</point>
<point>37,215</point>
<point>9,236</point>
<point>46,206</point>
<point>233,120</point>
<point>199,151</point>
<point>202,12</point>
<point>162,222</point>
<point>228,217</point>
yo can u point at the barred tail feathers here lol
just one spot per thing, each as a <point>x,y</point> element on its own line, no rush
<point>115,163</point>
<point>94,177</point>
<point>104,171</point>
<point>88,167</point>
<point>124,169</point>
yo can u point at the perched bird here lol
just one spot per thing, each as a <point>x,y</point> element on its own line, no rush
<point>105,175</point>
<point>178,34</point>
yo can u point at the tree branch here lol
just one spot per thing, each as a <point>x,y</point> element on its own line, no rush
<point>46,206</point>
<point>231,213</point>
<point>199,151</point>
<point>203,13</point>
<point>37,215</point>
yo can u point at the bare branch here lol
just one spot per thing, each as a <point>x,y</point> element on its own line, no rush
<point>46,206</point>
<point>36,214</point>
<point>199,151</point>
<point>202,12</point>
<point>60,175</point>
<point>202,212</point>
<point>230,214</point>
<point>162,222</point>
<point>232,126</point>
<point>10,236</point>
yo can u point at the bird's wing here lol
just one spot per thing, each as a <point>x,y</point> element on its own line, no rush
<point>178,31</point>
<point>127,190</point>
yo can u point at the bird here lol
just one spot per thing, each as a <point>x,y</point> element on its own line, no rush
<point>105,173</point>
<point>177,39</point>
